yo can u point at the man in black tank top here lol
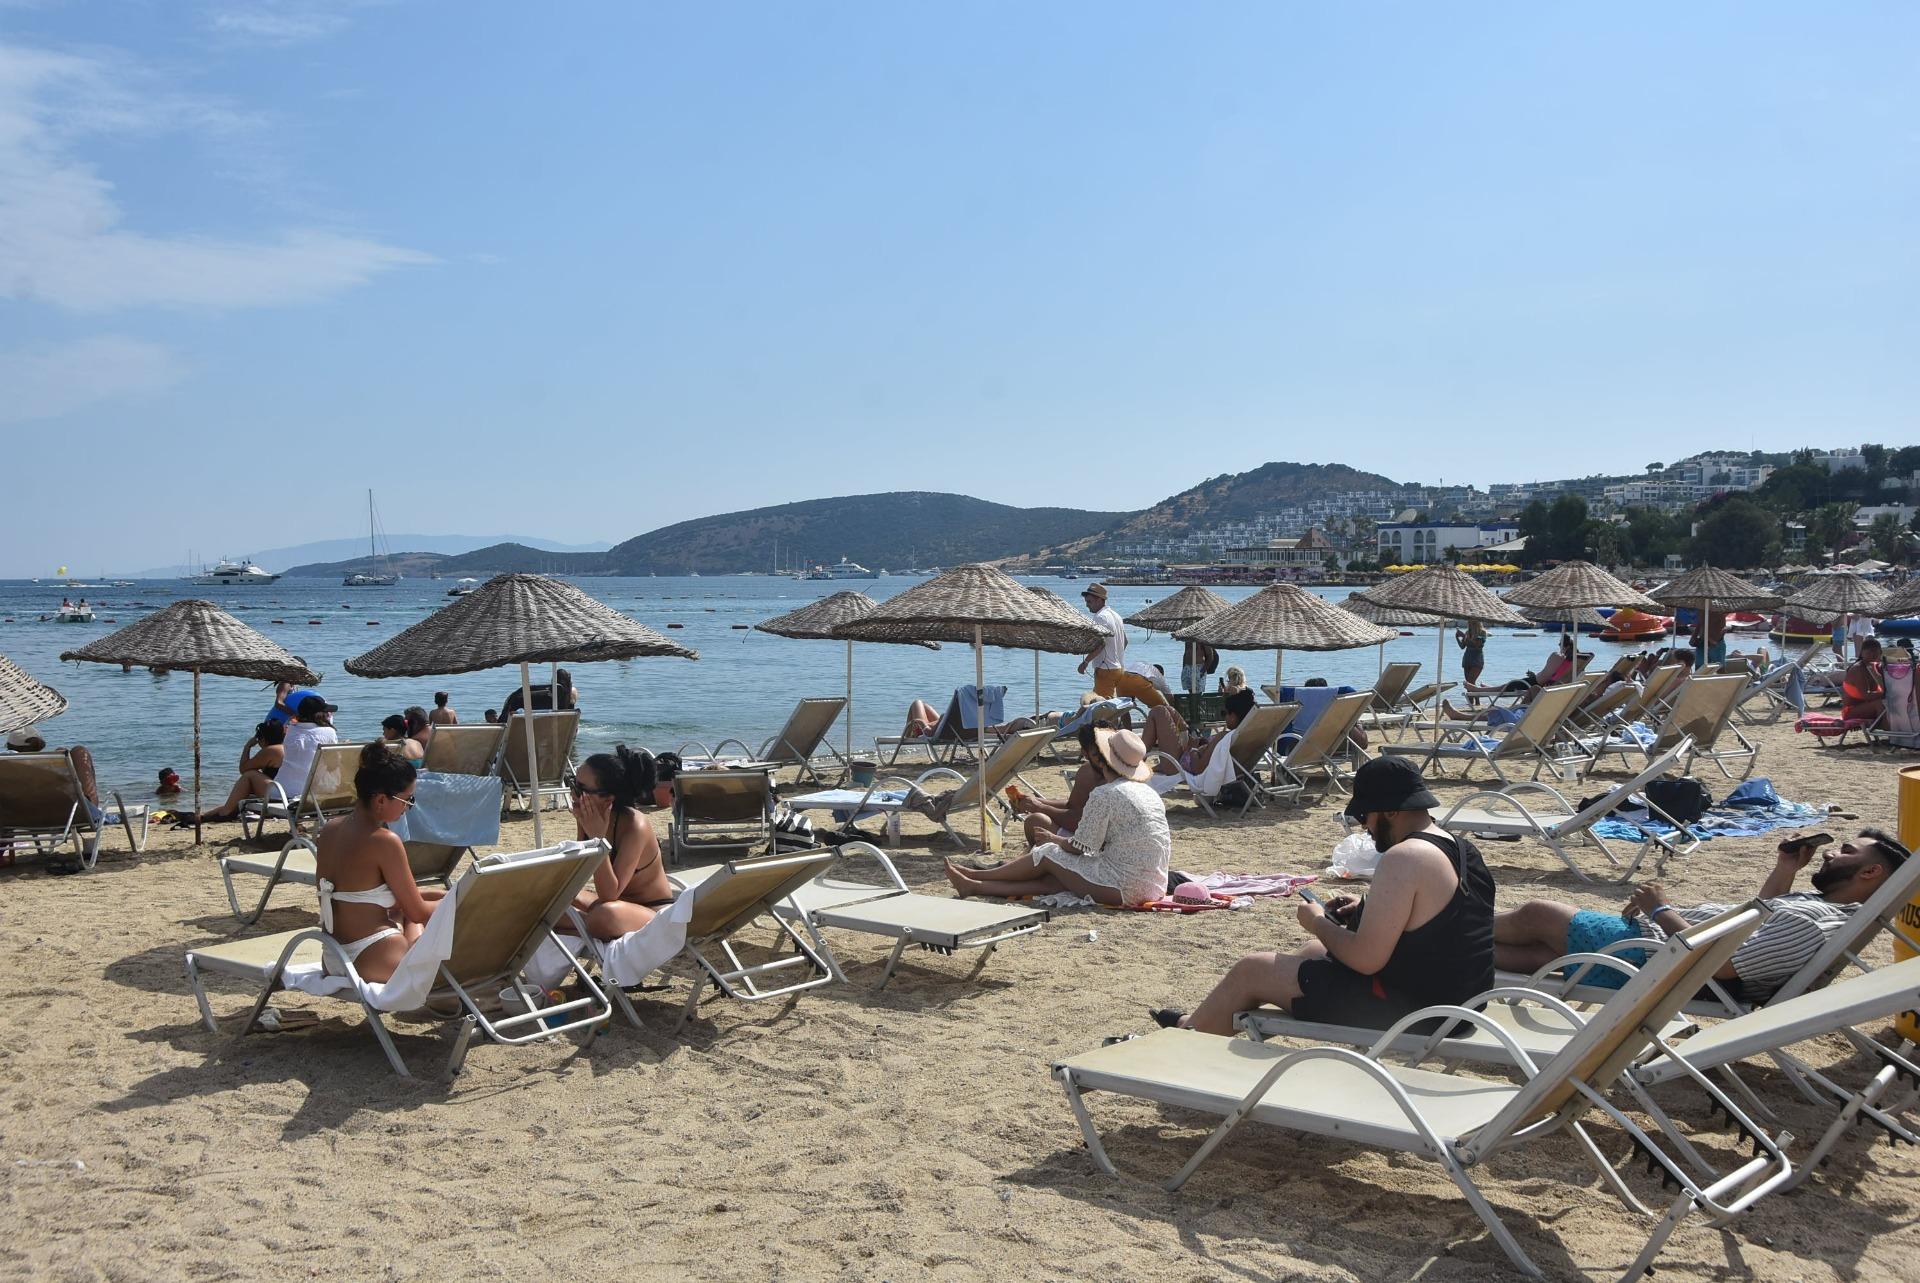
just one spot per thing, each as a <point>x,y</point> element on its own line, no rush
<point>1423,936</point>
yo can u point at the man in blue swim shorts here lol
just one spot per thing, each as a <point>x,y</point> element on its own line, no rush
<point>1540,931</point>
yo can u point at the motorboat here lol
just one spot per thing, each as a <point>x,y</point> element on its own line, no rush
<point>360,579</point>
<point>1629,625</point>
<point>843,569</point>
<point>73,613</point>
<point>232,574</point>
<point>461,587</point>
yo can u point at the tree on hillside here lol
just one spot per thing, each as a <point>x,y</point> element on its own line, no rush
<point>1889,538</point>
<point>1652,535</point>
<point>1833,523</point>
<point>1737,534</point>
<point>1566,527</point>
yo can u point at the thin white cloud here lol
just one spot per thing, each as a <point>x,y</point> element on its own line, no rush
<point>61,238</point>
<point>281,22</point>
<point>50,380</point>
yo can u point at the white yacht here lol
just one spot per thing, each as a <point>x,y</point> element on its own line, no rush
<point>232,574</point>
<point>463,587</point>
<point>843,569</point>
<point>373,579</point>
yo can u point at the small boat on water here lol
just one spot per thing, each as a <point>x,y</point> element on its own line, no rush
<point>843,569</point>
<point>373,578</point>
<point>1747,621</point>
<point>1629,625</point>
<point>73,613</point>
<point>461,587</point>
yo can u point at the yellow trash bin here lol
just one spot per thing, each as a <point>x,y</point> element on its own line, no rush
<point>1908,1023</point>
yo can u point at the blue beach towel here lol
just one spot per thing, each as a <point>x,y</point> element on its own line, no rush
<point>456,810</point>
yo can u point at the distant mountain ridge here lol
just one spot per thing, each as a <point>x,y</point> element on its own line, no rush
<point>330,551</point>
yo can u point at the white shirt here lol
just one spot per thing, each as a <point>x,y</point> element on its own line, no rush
<point>303,741</point>
<point>1113,651</point>
<point>1859,627</point>
<point>1154,675</point>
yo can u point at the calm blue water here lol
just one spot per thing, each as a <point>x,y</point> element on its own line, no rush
<point>743,685</point>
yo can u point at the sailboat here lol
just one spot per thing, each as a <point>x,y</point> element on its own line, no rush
<point>363,579</point>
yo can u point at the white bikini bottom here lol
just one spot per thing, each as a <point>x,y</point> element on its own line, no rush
<point>356,948</point>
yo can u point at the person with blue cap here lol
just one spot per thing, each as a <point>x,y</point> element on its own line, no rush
<point>1423,936</point>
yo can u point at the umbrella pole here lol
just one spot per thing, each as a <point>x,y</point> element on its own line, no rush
<point>1279,659</point>
<point>196,757</point>
<point>980,722</point>
<point>849,707</point>
<point>1036,683</point>
<point>533,755</point>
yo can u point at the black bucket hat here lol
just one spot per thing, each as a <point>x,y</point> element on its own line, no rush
<point>1389,784</point>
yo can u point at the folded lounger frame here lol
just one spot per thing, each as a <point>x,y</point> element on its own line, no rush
<point>505,907</point>
<point>1505,813</point>
<point>936,923</point>
<point>797,743</point>
<point>43,805</point>
<point>727,898</point>
<point>1455,1120</point>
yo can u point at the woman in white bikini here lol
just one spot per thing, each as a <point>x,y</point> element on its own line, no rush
<point>368,899</point>
<point>630,886</point>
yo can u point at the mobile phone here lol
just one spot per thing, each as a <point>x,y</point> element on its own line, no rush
<point>1306,893</point>
<point>1812,841</point>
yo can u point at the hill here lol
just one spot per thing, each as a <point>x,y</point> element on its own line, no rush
<point>902,528</point>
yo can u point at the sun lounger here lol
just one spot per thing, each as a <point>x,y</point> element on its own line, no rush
<point>1702,711</point>
<point>43,807</point>
<point>714,905</point>
<point>1506,813</point>
<point>328,792</point>
<point>1251,746</point>
<point>1833,731</point>
<point>724,814</point>
<point>1327,748</point>
<point>796,743</point>
<point>955,732</point>
<point>1455,1120</point>
<point>553,738</point>
<point>1539,737</point>
<point>1770,697</point>
<point>481,934</point>
<point>465,750</point>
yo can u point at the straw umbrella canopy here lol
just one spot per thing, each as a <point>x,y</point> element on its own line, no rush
<point>817,621</point>
<point>24,700</point>
<point>1188,606</point>
<point>198,635</point>
<point>1444,593</point>
<point>1842,594</point>
<point>1709,586</point>
<point>986,607</point>
<point>1574,617</point>
<point>1903,601</point>
<point>515,619</point>
<point>1574,584</point>
<point>1285,616</point>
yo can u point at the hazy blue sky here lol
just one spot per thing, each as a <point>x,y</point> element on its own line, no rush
<point>649,262</point>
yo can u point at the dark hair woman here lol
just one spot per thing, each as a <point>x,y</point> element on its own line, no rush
<point>630,885</point>
<point>260,759</point>
<point>368,899</point>
<point>393,733</point>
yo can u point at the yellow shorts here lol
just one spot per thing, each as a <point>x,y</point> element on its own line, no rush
<point>1110,682</point>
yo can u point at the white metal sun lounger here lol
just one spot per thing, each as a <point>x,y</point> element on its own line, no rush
<point>327,792</point>
<point>483,933</point>
<point>554,734</point>
<point>795,744</point>
<point>1250,749</point>
<point>891,910</point>
<point>42,806</point>
<point>1505,813</point>
<point>1455,1120</point>
<point>464,750</point>
<point>1538,737</point>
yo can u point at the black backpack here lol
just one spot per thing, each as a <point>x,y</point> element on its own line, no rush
<point>1683,800</point>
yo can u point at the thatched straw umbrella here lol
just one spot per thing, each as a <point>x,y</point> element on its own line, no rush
<point>515,619</point>
<point>1709,586</point>
<point>1283,616</point>
<point>1842,594</point>
<point>1188,606</point>
<point>987,607</point>
<point>1360,606</point>
<point>198,635</point>
<point>1574,584</point>
<point>1571,617</point>
<point>1444,593</point>
<point>23,700</point>
<point>816,622</point>
<point>1903,601</point>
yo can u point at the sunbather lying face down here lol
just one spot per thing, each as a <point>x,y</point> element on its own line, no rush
<point>630,886</point>
<point>368,899</point>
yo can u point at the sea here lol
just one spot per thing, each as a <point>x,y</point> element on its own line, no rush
<point>741,688</point>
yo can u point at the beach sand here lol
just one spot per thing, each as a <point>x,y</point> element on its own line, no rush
<point>912,1134</point>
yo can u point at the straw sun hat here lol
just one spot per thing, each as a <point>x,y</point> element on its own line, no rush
<point>1125,754</point>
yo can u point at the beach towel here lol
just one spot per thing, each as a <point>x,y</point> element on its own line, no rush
<point>627,961</point>
<point>1827,726</point>
<point>452,810</point>
<point>411,982</point>
<point>970,701</point>
<point>1747,819</point>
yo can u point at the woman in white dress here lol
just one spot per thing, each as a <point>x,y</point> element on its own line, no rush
<point>1119,851</point>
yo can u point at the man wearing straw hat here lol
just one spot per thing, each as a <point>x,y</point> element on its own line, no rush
<point>1109,658</point>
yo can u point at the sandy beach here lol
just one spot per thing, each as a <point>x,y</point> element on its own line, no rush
<point>911,1134</point>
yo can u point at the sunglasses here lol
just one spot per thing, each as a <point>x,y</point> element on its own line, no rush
<point>575,787</point>
<point>407,800</point>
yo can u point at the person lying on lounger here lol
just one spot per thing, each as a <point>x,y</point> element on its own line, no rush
<point>1119,852</point>
<point>1533,935</point>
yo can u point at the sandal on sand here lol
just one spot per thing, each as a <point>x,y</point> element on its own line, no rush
<point>1166,1017</point>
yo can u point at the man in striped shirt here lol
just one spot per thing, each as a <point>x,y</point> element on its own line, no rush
<point>1539,931</point>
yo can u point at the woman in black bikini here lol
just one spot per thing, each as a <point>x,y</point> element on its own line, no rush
<point>260,759</point>
<point>630,885</point>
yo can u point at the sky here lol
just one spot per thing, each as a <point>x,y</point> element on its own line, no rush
<point>599,267</point>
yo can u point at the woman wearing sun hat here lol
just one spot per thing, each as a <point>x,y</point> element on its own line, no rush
<point>1119,851</point>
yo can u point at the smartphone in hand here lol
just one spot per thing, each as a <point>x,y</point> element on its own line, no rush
<point>1812,842</point>
<point>1306,893</point>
